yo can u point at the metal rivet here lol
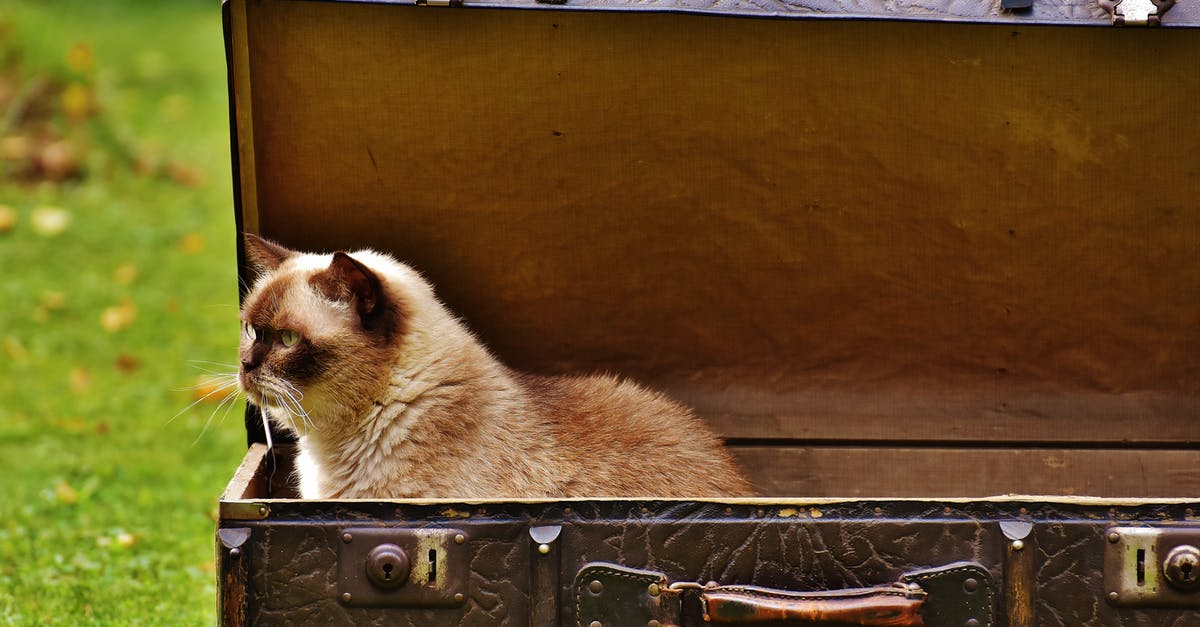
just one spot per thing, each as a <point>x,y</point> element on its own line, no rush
<point>262,511</point>
<point>234,552</point>
<point>346,597</point>
<point>1114,537</point>
<point>971,585</point>
<point>653,623</point>
<point>567,510</point>
<point>653,590</point>
<point>543,548</point>
<point>459,538</point>
<point>347,538</point>
<point>595,586</point>
<point>595,623</point>
<point>1113,596</point>
<point>458,597</point>
<point>972,622</point>
<point>1017,545</point>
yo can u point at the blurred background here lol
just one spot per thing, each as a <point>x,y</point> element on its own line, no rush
<point>119,310</point>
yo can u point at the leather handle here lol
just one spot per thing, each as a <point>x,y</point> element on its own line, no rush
<point>893,606</point>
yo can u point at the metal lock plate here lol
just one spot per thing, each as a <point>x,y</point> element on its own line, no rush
<point>391,567</point>
<point>1152,567</point>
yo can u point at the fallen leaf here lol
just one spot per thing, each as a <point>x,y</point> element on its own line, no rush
<point>118,317</point>
<point>16,148</point>
<point>126,540</point>
<point>15,349</point>
<point>50,303</point>
<point>54,301</point>
<point>65,493</point>
<point>176,106</point>
<point>127,363</point>
<point>208,388</point>
<point>184,174</point>
<point>8,219</point>
<point>191,243</point>
<point>50,221</point>
<point>59,160</point>
<point>74,425</point>
<point>80,58</point>
<point>125,274</point>
<point>77,102</point>
<point>79,380</point>
<point>102,428</point>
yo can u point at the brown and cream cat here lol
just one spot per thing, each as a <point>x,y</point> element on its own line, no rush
<point>391,396</point>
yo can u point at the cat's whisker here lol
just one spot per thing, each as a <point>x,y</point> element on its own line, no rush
<point>219,379</point>
<point>232,394</point>
<point>214,391</point>
<point>212,363</point>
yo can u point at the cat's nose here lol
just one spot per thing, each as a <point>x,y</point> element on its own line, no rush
<point>247,366</point>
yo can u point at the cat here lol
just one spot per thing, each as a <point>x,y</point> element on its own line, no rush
<point>391,396</point>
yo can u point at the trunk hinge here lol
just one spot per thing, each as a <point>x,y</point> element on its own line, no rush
<point>1137,12</point>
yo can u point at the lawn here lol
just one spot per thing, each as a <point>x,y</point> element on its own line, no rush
<point>119,294</point>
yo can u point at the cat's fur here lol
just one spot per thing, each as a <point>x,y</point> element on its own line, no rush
<point>391,396</point>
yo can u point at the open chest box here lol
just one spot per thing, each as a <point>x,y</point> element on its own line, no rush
<point>910,269</point>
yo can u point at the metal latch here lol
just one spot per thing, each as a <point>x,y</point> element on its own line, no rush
<point>1137,12</point>
<point>1152,567</point>
<point>395,567</point>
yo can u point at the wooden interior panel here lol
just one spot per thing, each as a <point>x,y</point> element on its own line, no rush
<point>932,472</point>
<point>814,231</point>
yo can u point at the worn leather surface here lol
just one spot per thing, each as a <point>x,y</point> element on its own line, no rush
<point>292,574</point>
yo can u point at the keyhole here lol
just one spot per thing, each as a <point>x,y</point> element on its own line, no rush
<point>387,571</point>
<point>1186,570</point>
<point>432,566</point>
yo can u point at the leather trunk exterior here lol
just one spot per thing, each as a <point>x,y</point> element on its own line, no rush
<point>292,573</point>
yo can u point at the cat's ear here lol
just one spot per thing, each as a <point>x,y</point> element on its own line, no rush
<point>263,255</point>
<point>346,279</point>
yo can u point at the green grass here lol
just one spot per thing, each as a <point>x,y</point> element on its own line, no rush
<point>106,504</point>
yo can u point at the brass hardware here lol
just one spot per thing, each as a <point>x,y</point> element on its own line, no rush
<point>544,549</point>
<point>1153,567</point>
<point>398,567</point>
<point>595,586</point>
<point>1017,545</point>
<point>459,538</point>
<point>1137,12</point>
<point>1181,567</point>
<point>243,510</point>
<point>387,566</point>
<point>653,589</point>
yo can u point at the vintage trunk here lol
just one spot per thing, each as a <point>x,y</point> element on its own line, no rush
<point>932,270</point>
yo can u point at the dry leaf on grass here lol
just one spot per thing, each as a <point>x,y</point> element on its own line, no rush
<point>208,388</point>
<point>79,380</point>
<point>118,317</point>
<point>15,349</point>
<point>127,363</point>
<point>191,243</point>
<point>8,219</point>
<point>65,493</point>
<point>50,221</point>
<point>59,160</point>
<point>125,274</point>
<point>80,58</point>
<point>77,103</point>
<point>184,174</point>
<point>126,540</point>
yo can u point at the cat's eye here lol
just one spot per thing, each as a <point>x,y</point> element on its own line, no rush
<point>248,331</point>
<point>289,338</point>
